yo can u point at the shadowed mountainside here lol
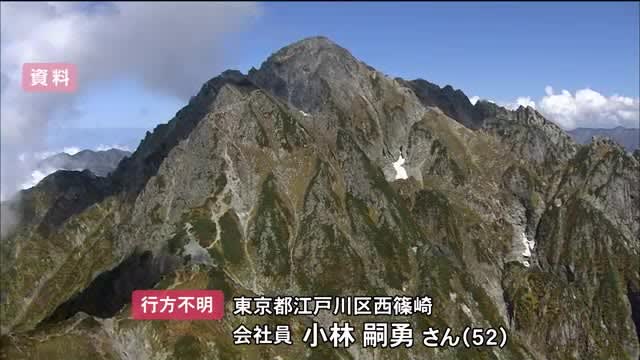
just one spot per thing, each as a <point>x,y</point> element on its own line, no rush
<point>281,181</point>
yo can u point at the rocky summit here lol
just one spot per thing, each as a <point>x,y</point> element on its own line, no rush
<point>287,181</point>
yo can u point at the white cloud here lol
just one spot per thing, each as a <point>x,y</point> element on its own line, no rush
<point>474,99</point>
<point>41,155</point>
<point>71,150</point>
<point>585,108</point>
<point>37,176</point>
<point>589,108</point>
<point>520,101</point>
<point>9,218</point>
<point>548,90</point>
<point>40,173</point>
<point>526,102</point>
<point>169,48</point>
<point>103,147</point>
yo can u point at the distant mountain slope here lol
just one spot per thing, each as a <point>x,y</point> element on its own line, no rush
<point>629,138</point>
<point>95,138</point>
<point>101,163</point>
<point>284,181</point>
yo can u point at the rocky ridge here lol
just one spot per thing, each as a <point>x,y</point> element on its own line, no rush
<point>281,181</point>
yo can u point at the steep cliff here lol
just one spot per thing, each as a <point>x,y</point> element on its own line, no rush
<point>281,182</point>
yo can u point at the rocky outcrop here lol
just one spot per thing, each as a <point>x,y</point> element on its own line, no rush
<point>281,182</point>
<point>454,103</point>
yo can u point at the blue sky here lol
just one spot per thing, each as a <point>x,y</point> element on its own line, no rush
<point>504,52</point>
<point>500,50</point>
<point>494,50</point>
<point>139,62</point>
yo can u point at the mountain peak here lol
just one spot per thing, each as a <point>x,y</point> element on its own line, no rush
<point>300,73</point>
<point>275,181</point>
<point>307,52</point>
<point>313,43</point>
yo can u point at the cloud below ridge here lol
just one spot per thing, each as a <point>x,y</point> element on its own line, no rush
<point>107,40</point>
<point>143,43</point>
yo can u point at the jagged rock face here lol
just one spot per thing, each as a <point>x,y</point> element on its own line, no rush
<point>333,90</point>
<point>281,182</point>
<point>530,135</point>
<point>454,103</point>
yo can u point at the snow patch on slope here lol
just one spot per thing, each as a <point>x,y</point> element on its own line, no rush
<point>401,172</point>
<point>529,245</point>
